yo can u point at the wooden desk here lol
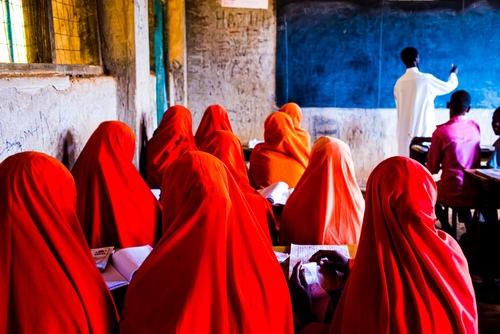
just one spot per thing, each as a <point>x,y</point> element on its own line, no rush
<point>488,189</point>
<point>419,152</point>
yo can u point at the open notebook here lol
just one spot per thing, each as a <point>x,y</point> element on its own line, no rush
<point>277,193</point>
<point>124,264</point>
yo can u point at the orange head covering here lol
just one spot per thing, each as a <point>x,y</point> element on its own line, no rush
<point>173,138</point>
<point>115,205</point>
<point>227,147</point>
<point>215,118</point>
<point>293,110</point>
<point>282,156</point>
<point>49,282</point>
<point>408,276</point>
<point>326,207</point>
<point>213,270</point>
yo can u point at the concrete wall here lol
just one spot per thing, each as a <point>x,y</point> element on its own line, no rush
<point>371,133</point>
<point>231,57</point>
<point>57,114</point>
<point>54,115</point>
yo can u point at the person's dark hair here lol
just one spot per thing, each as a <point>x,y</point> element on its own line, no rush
<point>460,101</point>
<point>408,56</point>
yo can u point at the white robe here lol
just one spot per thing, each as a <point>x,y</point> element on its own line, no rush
<point>414,93</point>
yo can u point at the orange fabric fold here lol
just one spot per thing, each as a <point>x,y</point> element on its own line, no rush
<point>282,156</point>
<point>49,282</point>
<point>214,118</point>
<point>172,138</point>
<point>213,271</point>
<point>326,207</point>
<point>408,277</point>
<point>227,148</point>
<point>115,205</point>
<point>293,110</point>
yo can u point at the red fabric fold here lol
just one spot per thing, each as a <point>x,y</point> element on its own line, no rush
<point>115,205</point>
<point>408,277</point>
<point>326,207</point>
<point>214,118</point>
<point>227,148</point>
<point>282,156</point>
<point>49,282</point>
<point>293,110</point>
<point>213,270</point>
<point>172,138</point>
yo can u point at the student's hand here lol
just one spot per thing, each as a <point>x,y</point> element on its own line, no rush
<point>331,259</point>
<point>300,292</point>
<point>454,69</point>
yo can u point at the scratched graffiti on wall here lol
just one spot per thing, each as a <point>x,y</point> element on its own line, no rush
<point>231,61</point>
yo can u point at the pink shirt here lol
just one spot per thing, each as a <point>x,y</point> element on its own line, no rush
<point>456,146</point>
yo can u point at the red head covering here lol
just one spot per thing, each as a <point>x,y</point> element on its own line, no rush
<point>49,282</point>
<point>293,110</point>
<point>408,276</point>
<point>227,147</point>
<point>115,205</point>
<point>282,156</point>
<point>215,118</point>
<point>173,138</point>
<point>213,270</point>
<point>326,207</point>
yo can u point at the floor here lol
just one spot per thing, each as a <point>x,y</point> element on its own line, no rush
<point>488,300</point>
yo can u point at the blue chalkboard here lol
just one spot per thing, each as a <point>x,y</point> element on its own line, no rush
<point>339,54</point>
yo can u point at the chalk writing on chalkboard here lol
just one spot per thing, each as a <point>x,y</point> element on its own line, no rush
<point>339,54</point>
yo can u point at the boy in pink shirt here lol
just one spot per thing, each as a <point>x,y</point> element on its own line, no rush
<point>455,146</point>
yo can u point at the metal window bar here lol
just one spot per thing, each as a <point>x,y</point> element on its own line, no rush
<point>13,46</point>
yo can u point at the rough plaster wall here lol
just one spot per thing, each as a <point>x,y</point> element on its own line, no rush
<point>53,115</point>
<point>371,133</point>
<point>231,61</point>
<point>125,49</point>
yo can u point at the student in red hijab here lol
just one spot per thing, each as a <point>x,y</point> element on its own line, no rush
<point>215,118</point>
<point>282,156</point>
<point>408,277</point>
<point>227,147</point>
<point>213,271</point>
<point>49,282</point>
<point>172,138</point>
<point>293,110</point>
<point>326,207</point>
<point>115,205</point>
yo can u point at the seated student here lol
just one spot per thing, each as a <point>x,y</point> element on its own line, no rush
<point>213,271</point>
<point>172,138</point>
<point>455,146</point>
<point>115,205</point>
<point>49,282</point>
<point>281,157</point>
<point>214,118</point>
<point>227,147</point>
<point>494,161</point>
<point>407,276</point>
<point>293,110</point>
<point>326,207</point>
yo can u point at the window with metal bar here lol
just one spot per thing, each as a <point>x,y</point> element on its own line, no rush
<point>60,32</point>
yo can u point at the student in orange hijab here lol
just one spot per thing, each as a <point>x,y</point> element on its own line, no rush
<point>408,277</point>
<point>49,282</point>
<point>293,110</point>
<point>326,207</point>
<point>213,271</point>
<point>215,118</point>
<point>172,138</point>
<point>115,205</point>
<point>227,147</point>
<point>282,156</point>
